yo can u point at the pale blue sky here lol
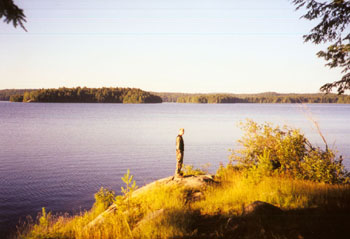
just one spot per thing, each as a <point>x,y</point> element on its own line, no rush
<point>234,46</point>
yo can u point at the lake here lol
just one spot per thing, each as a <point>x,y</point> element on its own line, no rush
<point>58,155</point>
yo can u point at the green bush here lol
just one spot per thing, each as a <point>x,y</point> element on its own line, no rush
<point>268,150</point>
<point>103,199</point>
<point>322,166</point>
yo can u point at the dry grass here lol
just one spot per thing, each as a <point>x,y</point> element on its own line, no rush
<point>217,213</point>
<point>236,191</point>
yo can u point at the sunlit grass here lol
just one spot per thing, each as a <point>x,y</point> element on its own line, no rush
<point>163,211</point>
<point>236,191</point>
<point>123,223</point>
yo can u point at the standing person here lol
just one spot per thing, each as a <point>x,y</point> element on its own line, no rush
<point>180,148</point>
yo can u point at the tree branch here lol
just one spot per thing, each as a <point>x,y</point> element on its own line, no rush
<point>12,13</point>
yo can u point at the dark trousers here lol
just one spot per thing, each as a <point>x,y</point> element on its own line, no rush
<point>179,159</point>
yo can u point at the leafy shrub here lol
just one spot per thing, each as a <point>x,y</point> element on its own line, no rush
<point>103,199</point>
<point>124,201</point>
<point>268,150</point>
<point>322,166</point>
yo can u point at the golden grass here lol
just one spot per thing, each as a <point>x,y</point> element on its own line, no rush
<point>122,224</point>
<point>236,191</point>
<point>170,215</point>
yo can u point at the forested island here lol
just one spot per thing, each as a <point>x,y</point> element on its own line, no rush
<point>133,95</point>
<point>87,95</point>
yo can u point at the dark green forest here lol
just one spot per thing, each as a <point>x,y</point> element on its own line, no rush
<point>268,97</point>
<point>87,95</point>
<point>6,94</point>
<point>132,95</point>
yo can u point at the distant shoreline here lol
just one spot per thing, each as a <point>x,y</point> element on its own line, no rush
<point>134,95</point>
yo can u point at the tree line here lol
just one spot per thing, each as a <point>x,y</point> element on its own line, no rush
<point>132,95</point>
<point>87,95</point>
<point>6,94</point>
<point>269,97</point>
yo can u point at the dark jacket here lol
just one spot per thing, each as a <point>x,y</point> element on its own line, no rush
<point>180,143</point>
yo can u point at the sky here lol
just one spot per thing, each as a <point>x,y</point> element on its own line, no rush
<point>193,46</point>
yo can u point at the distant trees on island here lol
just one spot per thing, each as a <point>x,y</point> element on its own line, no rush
<point>261,98</point>
<point>87,95</point>
<point>132,95</point>
<point>268,97</point>
<point>6,94</point>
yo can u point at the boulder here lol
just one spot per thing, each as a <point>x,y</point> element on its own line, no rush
<point>189,182</point>
<point>192,183</point>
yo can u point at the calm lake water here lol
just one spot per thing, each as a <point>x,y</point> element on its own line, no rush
<point>58,155</point>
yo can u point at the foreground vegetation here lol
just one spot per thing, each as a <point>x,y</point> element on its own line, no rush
<point>274,165</point>
<point>309,209</point>
<point>87,95</point>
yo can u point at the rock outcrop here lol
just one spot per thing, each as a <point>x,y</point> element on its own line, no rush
<point>189,182</point>
<point>192,184</point>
